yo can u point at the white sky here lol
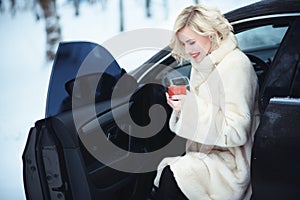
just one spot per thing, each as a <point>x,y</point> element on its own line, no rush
<point>24,74</point>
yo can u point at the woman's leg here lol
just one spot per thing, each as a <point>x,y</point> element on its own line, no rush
<point>168,188</point>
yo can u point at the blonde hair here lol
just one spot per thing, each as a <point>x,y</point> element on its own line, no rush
<point>202,20</point>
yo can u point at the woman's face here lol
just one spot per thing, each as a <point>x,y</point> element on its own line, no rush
<point>195,45</point>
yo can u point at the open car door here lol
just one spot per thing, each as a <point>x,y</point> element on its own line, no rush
<point>87,147</point>
<point>275,159</point>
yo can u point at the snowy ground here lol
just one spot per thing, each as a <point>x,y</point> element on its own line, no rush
<point>24,73</point>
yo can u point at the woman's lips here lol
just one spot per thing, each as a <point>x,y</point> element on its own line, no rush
<point>195,55</point>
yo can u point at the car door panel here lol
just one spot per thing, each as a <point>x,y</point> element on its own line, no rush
<point>45,163</point>
<point>275,163</point>
<point>31,177</point>
<point>68,169</point>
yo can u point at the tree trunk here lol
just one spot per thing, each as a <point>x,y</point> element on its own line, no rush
<point>121,15</point>
<point>148,8</point>
<point>53,29</point>
<point>1,6</point>
<point>76,6</point>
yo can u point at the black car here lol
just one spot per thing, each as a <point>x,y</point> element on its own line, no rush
<point>88,147</point>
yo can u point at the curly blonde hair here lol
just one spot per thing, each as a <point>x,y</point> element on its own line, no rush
<point>202,20</point>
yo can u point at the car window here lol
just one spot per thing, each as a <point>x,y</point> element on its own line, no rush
<point>75,60</point>
<point>132,60</point>
<point>261,41</point>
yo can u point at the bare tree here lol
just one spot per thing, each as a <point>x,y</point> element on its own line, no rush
<point>53,29</point>
<point>13,7</point>
<point>121,7</point>
<point>1,6</point>
<point>76,6</point>
<point>148,8</point>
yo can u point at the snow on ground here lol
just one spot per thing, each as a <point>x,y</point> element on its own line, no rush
<point>24,74</point>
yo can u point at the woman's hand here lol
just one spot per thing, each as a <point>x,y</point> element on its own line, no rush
<point>176,101</point>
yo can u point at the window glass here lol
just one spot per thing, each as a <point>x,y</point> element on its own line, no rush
<point>74,60</point>
<point>261,41</point>
<point>134,59</point>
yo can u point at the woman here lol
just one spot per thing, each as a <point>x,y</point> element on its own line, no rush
<point>218,116</point>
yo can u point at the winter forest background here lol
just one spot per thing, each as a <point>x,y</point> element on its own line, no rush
<point>29,33</point>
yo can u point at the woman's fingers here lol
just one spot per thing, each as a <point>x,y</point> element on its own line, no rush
<point>176,101</point>
<point>178,97</point>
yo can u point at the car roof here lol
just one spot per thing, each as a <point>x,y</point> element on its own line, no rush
<point>263,8</point>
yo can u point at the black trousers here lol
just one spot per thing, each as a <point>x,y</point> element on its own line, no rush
<point>168,188</point>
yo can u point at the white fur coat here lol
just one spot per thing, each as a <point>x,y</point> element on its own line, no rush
<point>219,118</point>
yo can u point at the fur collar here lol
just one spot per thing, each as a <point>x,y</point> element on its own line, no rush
<point>225,47</point>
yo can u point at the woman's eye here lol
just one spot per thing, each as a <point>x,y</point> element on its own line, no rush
<point>191,43</point>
